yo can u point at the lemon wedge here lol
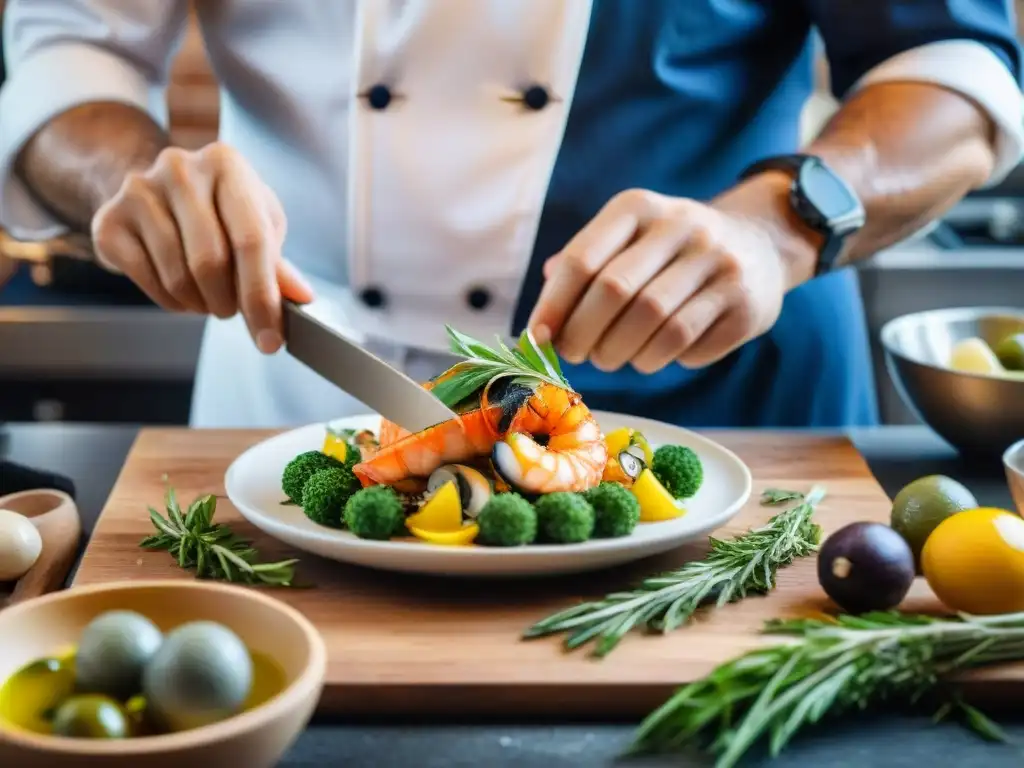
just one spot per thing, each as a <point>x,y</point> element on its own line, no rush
<point>656,503</point>
<point>460,538</point>
<point>442,512</point>
<point>335,445</point>
<point>975,356</point>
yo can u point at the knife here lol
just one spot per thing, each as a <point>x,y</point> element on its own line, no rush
<point>361,374</point>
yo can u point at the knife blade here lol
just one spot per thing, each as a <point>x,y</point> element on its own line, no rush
<point>359,372</point>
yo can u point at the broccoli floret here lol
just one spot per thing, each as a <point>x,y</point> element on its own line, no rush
<point>616,510</point>
<point>300,469</point>
<point>564,518</point>
<point>325,494</point>
<point>679,469</point>
<point>374,512</point>
<point>507,520</point>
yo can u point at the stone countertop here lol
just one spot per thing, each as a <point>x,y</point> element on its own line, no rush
<point>92,456</point>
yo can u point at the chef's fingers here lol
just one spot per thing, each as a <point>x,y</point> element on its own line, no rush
<point>119,249</point>
<point>685,327</point>
<point>189,193</point>
<point>149,218</point>
<point>614,288</point>
<point>582,258</point>
<point>292,284</point>
<point>661,298</point>
<point>255,251</point>
<point>275,210</point>
<point>289,279</point>
<point>729,331</point>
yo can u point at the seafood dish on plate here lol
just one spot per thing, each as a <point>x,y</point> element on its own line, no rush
<point>523,461</point>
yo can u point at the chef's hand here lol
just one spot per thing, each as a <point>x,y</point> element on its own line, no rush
<point>7,269</point>
<point>653,279</point>
<point>200,232</point>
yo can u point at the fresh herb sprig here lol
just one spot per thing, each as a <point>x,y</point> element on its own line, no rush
<point>828,667</point>
<point>529,362</point>
<point>212,549</point>
<point>774,497</point>
<point>733,569</point>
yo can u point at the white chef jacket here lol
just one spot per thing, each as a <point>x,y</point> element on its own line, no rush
<point>418,205</point>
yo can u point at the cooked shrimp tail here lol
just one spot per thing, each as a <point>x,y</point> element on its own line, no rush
<point>571,454</point>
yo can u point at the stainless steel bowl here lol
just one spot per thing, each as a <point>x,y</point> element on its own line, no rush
<point>977,414</point>
<point>1013,460</point>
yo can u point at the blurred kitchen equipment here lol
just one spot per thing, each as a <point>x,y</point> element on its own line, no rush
<point>66,266</point>
<point>979,415</point>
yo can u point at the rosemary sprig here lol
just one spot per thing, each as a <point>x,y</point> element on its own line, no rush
<point>734,568</point>
<point>828,667</point>
<point>212,549</point>
<point>529,362</point>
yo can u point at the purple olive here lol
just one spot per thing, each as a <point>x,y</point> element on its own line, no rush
<point>866,567</point>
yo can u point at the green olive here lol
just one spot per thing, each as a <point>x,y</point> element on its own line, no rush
<point>91,716</point>
<point>1010,352</point>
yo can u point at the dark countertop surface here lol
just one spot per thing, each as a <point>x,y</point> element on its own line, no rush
<point>92,456</point>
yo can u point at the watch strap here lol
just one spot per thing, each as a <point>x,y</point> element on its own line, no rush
<point>832,240</point>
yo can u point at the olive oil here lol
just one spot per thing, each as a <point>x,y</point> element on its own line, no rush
<point>32,695</point>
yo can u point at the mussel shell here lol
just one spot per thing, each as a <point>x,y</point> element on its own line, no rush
<point>474,488</point>
<point>631,464</point>
<point>503,459</point>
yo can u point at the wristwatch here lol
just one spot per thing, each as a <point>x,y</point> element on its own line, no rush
<point>822,200</point>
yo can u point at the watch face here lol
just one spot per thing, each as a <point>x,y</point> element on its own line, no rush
<point>828,194</point>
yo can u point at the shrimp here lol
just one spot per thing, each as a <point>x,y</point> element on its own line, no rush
<point>390,432</point>
<point>573,456</point>
<point>471,434</point>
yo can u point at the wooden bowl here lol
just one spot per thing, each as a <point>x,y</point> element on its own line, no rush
<point>55,516</point>
<point>255,738</point>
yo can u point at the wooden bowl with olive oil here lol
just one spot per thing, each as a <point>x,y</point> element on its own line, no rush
<point>155,673</point>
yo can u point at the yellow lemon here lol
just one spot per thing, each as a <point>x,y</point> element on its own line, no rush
<point>335,445</point>
<point>460,538</point>
<point>622,438</point>
<point>975,356</point>
<point>974,561</point>
<point>442,512</point>
<point>656,503</point>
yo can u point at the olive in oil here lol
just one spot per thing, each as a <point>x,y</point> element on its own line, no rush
<point>31,696</point>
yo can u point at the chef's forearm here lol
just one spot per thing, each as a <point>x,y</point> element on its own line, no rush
<point>911,151</point>
<point>78,160</point>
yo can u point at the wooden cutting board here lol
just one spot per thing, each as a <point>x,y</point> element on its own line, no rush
<point>403,644</point>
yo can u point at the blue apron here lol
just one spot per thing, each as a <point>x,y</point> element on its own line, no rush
<point>679,96</point>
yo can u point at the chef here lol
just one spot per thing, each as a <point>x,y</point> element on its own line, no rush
<point>625,177</point>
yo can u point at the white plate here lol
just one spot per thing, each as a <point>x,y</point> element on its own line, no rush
<point>253,483</point>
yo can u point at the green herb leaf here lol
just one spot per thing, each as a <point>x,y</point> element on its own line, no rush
<point>733,569</point>
<point>529,362</point>
<point>211,549</point>
<point>828,667</point>
<point>772,497</point>
<point>980,723</point>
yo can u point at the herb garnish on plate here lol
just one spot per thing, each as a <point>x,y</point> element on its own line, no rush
<point>529,362</point>
<point>734,568</point>
<point>212,549</point>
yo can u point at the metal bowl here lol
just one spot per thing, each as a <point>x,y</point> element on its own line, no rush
<point>977,414</point>
<point>1013,460</point>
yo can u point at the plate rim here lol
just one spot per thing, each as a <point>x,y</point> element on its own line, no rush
<point>427,550</point>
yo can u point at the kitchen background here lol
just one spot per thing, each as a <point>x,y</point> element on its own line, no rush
<point>77,344</point>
